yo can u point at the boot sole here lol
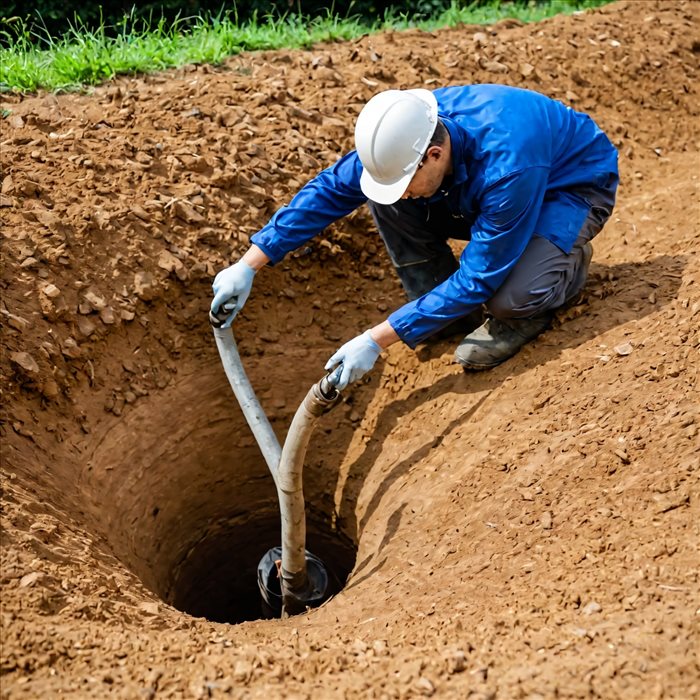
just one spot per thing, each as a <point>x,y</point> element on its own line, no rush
<point>470,367</point>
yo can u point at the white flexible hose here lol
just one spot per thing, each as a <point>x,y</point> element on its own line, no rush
<point>257,420</point>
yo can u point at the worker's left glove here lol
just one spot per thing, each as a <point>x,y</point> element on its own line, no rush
<point>356,358</point>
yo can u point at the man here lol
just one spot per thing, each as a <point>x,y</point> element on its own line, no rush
<point>526,180</point>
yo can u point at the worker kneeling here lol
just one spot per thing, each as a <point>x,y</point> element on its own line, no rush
<point>527,181</point>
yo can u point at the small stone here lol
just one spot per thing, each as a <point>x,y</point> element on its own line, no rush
<point>622,454</point>
<point>28,262</point>
<point>107,316</point>
<point>95,301</point>
<point>546,520</point>
<point>86,326</point>
<point>167,261</point>
<point>127,315</point>
<point>25,361</point>
<point>71,349</point>
<point>16,322</point>
<point>425,686</point>
<point>118,407</point>
<point>242,670</point>
<point>29,579</point>
<point>591,608</point>
<point>380,648</point>
<point>456,662</point>
<point>186,212</point>
<point>494,67</point>
<point>47,218</point>
<point>359,647</point>
<point>143,285</point>
<point>52,307</point>
<point>623,349</point>
<point>51,291</point>
<point>149,607</point>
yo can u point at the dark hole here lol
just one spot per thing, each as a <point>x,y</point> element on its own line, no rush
<point>218,579</point>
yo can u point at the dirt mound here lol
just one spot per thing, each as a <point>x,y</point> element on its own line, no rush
<point>527,532</point>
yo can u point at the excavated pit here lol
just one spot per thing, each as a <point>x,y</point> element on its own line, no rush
<point>194,507</point>
<point>218,581</point>
<point>526,532</point>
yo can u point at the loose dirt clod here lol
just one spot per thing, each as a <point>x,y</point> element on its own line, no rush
<point>525,532</point>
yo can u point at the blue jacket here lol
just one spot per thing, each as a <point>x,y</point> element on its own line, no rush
<point>518,159</point>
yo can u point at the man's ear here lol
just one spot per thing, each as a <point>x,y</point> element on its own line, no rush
<point>435,152</point>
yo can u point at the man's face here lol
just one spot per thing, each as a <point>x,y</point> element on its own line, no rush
<point>430,174</point>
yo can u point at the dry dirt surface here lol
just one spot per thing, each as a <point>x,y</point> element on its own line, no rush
<point>528,532</point>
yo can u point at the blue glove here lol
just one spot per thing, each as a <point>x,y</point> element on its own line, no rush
<point>231,289</point>
<point>355,358</point>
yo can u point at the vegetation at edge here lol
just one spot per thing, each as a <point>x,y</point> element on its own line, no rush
<point>32,59</point>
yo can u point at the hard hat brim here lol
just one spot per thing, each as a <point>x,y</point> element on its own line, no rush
<point>382,193</point>
<point>390,193</point>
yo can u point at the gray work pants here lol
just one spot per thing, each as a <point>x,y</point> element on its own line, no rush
<point>543,279</point>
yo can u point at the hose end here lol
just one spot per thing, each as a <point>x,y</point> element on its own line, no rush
<point>327,389</point>
<point>321,397</point>
<point>218,319</point>
<point>284,594</point>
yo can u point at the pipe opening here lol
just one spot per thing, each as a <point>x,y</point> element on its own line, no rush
<point>218,578</point>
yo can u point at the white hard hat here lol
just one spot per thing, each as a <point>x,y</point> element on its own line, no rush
<point>392,135</point>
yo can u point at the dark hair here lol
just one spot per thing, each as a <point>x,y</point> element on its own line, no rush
<point>439,135</point>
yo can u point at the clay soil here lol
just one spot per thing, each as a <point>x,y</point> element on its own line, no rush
<point>529,532</point>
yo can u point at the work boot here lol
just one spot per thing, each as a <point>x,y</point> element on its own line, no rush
<point>497,340</point>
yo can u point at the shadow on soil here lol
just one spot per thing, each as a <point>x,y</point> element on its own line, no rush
<point>614,295</point>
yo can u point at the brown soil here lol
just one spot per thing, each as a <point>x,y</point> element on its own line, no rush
<point>527,532</point>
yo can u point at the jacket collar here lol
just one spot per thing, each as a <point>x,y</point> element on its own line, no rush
<point>460,151</point>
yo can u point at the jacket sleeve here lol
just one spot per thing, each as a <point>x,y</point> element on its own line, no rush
<point>332,194</point>
<point>509,212</point>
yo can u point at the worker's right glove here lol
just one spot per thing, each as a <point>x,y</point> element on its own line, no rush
<point>231,289</point>
<point>356,358</point>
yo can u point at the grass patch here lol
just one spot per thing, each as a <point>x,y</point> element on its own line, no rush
<point>30,61</point>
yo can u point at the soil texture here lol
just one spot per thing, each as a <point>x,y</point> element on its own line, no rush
<point>528,532</point>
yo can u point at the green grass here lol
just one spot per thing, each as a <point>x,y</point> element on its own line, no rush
<point>30,62</point>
